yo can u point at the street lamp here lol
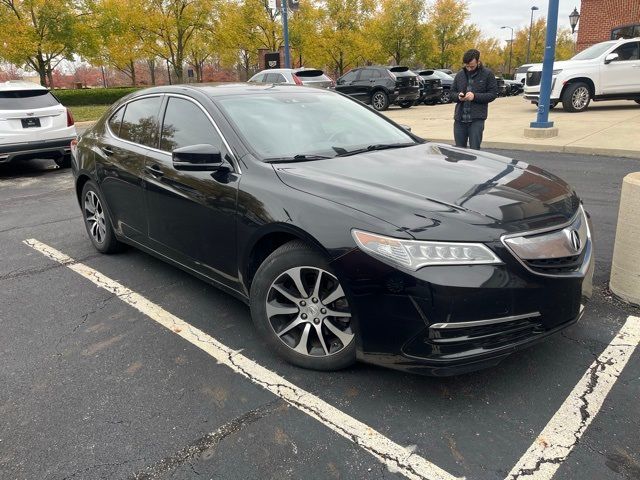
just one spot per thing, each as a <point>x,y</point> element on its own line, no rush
<point>573,20</point>
<point>530,28</point>
<point>510,47</point>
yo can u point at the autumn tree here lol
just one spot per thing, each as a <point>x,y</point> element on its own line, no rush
<point>38,34</point>
<point>397,28</point>
<point>452,35</point>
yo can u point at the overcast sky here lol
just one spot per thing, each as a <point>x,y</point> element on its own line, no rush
<point>490,15</point>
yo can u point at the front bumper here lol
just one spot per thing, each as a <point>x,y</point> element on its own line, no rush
<point>52,149</point>
<point>448,320</point>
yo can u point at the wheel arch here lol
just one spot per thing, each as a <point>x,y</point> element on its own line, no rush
<point>266,241</point>
<point>587,80</point>
<point>80,183</point>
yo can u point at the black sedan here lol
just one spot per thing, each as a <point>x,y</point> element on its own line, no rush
<point>348,236</point>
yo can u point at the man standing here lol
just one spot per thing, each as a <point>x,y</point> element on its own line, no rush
<point>473,88</point>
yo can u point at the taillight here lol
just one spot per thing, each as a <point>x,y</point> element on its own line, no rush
<point>296,79</point>
<point>74,147</point>
<point>70,121</point>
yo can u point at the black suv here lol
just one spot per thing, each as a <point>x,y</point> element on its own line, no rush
<point>381,86</point>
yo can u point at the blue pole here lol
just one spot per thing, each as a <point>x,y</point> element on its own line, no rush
<point>542,120</point>
<point>285,26</point>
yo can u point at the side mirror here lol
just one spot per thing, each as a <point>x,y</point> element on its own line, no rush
<point>406,127</point>
<point>610,58</point>
<point>202,157</point>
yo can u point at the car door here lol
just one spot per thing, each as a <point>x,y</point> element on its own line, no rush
<point>347,83</point>
<point>121,158</point>
<point>365,83</point>
<point>192,214</point>
<point>622,75</point>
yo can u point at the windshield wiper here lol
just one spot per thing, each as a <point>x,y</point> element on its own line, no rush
<point>378,146</point>
<point>297,158</point>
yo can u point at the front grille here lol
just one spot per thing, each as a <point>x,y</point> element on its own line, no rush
<point>533,78</point>
<point>557,265</point>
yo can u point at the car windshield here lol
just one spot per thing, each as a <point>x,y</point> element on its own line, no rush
<point>308,125</point>
<point>594,51</point>
<point>26,99</point>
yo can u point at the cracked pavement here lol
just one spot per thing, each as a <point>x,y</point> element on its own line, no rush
<point>93,389</point>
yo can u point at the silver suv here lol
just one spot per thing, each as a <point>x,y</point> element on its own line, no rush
<point>33,124</point>
<point>309,77</point>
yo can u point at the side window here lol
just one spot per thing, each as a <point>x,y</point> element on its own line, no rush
<point>186,124</point>
<point>375,74</point>
<point>258,78</point>
<point>140,122</point>
<point>365,75</point>
<point>350,76</point>
<point>115,121</point>
<point>276,78</point>
<point>628,51</point>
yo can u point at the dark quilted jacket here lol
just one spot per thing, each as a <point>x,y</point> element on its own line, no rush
<point>485,89</point>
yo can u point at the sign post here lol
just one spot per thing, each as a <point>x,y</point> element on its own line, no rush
<point>542,120</point>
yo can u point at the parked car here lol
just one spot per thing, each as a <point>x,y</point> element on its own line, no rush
<point>33,124</point>
<point>521,73</point>
<point>309,77</point>
<point>347,235</point>
<point>514,87</point>
<point>446,81</point>
<point>605,71</point>
<point>430,87</point>
<point>381,86</point>
<point>503,90</point>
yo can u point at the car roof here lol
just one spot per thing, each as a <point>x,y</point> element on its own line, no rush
<point>229,89</point>
<point>11,85</point>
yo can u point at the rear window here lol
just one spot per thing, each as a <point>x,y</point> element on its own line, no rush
<point>524,69</point>
<point>402,72</point>
<point>27,100</point>
<point>311,75</point>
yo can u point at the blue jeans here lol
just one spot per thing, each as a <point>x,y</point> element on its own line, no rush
<point>471,132</point>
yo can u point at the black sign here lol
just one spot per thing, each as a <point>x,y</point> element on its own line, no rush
<point>190,73</point>
<point>272,60</point>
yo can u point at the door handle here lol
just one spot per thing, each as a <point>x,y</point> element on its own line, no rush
<point>154,170</point>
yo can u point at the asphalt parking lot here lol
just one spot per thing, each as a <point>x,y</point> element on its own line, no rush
<point>94,386</point>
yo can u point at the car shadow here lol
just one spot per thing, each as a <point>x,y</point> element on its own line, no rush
<point>30,168</point>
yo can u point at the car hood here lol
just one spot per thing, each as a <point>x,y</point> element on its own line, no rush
<point>439,192</point>
<point>562,64</point>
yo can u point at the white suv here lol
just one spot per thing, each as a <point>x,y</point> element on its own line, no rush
<point>33,124</point>
<point>605,71</point>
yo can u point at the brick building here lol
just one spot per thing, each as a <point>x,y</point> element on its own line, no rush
<point>598,17</point>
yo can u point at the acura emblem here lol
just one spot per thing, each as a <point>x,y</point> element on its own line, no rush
<point>575,240</point>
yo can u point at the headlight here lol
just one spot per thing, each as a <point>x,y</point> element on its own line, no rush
<point>414,254</point>
<point>556,72</point>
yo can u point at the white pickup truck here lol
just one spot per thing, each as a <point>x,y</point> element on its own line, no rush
<point>605,71</point>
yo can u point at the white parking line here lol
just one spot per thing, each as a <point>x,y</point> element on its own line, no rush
<point>564,430</point>
<point>395,457</point>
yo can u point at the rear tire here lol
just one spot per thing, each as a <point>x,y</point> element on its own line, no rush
<point>406,104</point>
<point>379,101</point>
<point>576,97</point>
<point>96,219</point>
<point>445,97</point>
<point>292,310</point>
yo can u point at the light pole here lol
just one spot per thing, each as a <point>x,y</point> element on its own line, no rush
<point>534,8</point>
<point>573,21</point>
<point>510,48</point>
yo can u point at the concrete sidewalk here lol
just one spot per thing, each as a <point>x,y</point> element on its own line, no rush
<point>606,128</point>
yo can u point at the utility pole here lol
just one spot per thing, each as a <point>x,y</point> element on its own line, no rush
<point>285,26</point>
<point>542,120</point>
<point>510,48</point>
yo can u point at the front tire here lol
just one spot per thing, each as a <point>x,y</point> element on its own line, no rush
<point>576,97</point>
<point>379,101</point>
<point>299,307</point>
<point>96,220</point>
<point>406,104</point>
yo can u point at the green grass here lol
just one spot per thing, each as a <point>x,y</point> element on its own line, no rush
<point>87,113</point>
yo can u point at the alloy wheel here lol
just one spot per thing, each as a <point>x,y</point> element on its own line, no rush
<point>94,215</point>
<point>378,101</point>
<point>445,98</point>
<point>308,311</point>
<point>580,98</point>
